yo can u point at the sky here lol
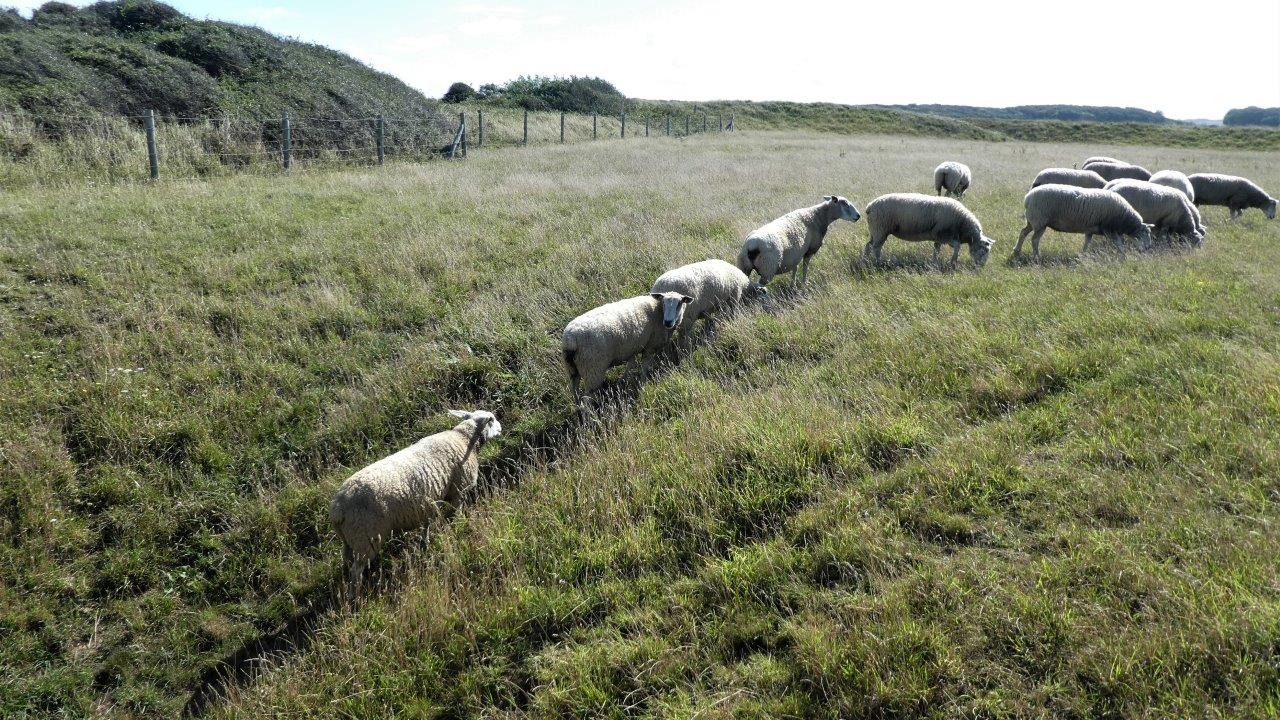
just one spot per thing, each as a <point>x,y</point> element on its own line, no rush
<point>1186,59</point>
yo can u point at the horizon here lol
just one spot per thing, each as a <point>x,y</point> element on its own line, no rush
<point>665,52</point>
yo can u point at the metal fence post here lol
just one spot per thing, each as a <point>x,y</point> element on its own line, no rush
<point>561,126</point>
<point>382,135</point>
<point>286,140</point>
<point>479,128</point>
<point>153,157</point>
<point>526,128</point>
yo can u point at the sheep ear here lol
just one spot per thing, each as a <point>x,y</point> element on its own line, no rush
<point>828,198</point>
<point>685,299</point>
<point>656,296</point>
<point>460,414</point>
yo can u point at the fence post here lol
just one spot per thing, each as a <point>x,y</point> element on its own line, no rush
<point>593,126</point>
<point>382,126</point>
<point>704,122</point>
<point>686,126</point>
<point>462,123</point>
<point>561,126</point>
<point>623,134</point>
<point>286,140</point>
<point>732,127</point>
<point>646,126</point>
<point>720,123</point>
<point>153,158</point>
<point>479,128</point>
<point>457,136</point>
<point>668,126</point>
<point>526,127</point>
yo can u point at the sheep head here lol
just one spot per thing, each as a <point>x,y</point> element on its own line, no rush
<point>978,251</point>
<point>672,304</point>
<point>844,209</point>
<point>485,421</point>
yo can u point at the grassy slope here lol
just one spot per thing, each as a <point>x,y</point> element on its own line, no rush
<point>1034,490</point>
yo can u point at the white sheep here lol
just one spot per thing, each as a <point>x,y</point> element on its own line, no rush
<point>1116,170</point>
<point>1103,158</point>
<point>1234,192</point>
<point>1164,208</point>
<point>409,489</point>
<point>1175,180</point>
<point>616,333</point>
<point>714,285</point>
<point>789,241</point>
<point>1071,209</point>
<point>953,177</point>
<point>916,217</point>
<point>1069,176</point>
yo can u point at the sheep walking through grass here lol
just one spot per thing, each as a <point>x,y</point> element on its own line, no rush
<point>715,286</point>
<point>787,243</point>
<point>616,333</point>
<point>1071,209</point>
<point>408,489</point>
<point>1236,193</point>
<point>1164,208</point>
<point>916,217</point>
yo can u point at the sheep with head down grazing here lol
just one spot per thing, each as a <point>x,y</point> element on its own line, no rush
<point>917,217</point>
<point>1168,211</point>
<point>1071,209</point>
<point>1175,180</point>
<point>952,177</point>
<point>1116,170</point>
<point>1069,176</point>
<point>1233,192</point>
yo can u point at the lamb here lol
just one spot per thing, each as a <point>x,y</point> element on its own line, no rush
<point>714,285</point>
<point>1234,192</point>
<point>1070,209</point>
<point>953,177</point>
<point>916,217</point>
<point>619,332</point>
<point>1115,170</point>
<point>1068,176</point>
<point>1175,180</point>
<point>1167,209</point>
<point>408,489</point>
<point>789,241</point>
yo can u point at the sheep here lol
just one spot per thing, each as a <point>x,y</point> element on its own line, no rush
<point>1071,209</point>
<point>714,285</point>
<point>1230,191</point>
<point>618,332</point>
<point>916,217</point>
<point>953,177</point>
<point>1069,176</point>
<point>1175,180</point>
<point>1103,158</point>
<point>1114,170</point>
<point>408,489</point>
<point>788,242</point>
<point>1167,209</point>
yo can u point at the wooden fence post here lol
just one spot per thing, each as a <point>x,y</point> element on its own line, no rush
<point>732,127</point>
<point>720,123</point>
<point>561,126</point>
<point>668,126</point>
<point>526,128</point>
<point>382,136</point>
<point>457,136</point>
<point>286,140</point>
<point>479,128</point>
<point>623,135</point>
<point>686,126</point>
<point>646,126</point>
<point>153,158</point>
<point>704,122</point>
<point>593,126</point>
<point>462,122</point>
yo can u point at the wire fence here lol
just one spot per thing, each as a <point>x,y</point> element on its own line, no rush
<point>150,146</point>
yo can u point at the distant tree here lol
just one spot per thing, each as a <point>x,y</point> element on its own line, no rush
<point>459,92</point>
<point>1252,115</point>
<point>488,90</point>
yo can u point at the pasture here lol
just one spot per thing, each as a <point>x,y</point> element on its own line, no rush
<point>1034,491</point>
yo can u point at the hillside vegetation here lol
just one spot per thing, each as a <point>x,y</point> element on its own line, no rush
<point>1033,491</point>
<point>131,56</point>
<point>1257,116</point>
<point>1069,113</point>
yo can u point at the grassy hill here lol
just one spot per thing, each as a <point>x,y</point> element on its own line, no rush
<point>131,56</point>
<point>1027,491</point>
<point>1068,113</point>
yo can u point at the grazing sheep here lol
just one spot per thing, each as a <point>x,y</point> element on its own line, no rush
<point>1116,170</point>
<point>714,285</point>
<point>789,241</point>
<point>1103,158</point>
<point>1175,180</point>
<point>1166,209</point>
<point>619,332</point>
<point>916,217</point>
<point>409,489</point>
<point>1071,209</point>
<point>1234,192</point>
<point>1068,176</point>
<point>953,177</point>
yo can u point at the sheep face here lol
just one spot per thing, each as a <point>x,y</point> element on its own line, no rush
<point>1270,210</point>
<point>673,304</point>
<point>979,251</point>
<point>847,210</point>
<point>755,291</point>
<point>485,420</point>
<point>1143,235</point>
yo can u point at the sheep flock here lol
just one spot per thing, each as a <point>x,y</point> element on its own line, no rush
<point>419,484</point>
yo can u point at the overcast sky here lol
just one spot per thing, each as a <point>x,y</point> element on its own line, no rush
<point>1187,59</point>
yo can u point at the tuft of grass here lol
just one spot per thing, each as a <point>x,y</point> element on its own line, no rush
<point>1042,490</point>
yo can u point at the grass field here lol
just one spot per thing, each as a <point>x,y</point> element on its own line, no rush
<point>1036,491</point>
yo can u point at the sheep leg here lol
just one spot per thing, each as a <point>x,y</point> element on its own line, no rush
<point>1017,249</point>
<point>955,253</point>
<point>1088,238</point>
<point>804,269</point>
<point>936,248</point>
<point>1035,244</point>
<point>1236,213</point>
<point>1117,241</point>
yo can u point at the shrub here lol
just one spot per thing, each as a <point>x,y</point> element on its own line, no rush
<point>459,92</point>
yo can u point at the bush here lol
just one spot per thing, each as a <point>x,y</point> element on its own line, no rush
<point>459,92</point>
<point>571,94</point>
<point>134,15</point>
<point>1253,115</point>
<point>211,48</point>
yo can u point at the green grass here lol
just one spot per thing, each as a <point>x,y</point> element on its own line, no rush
<point>1031,491</point>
